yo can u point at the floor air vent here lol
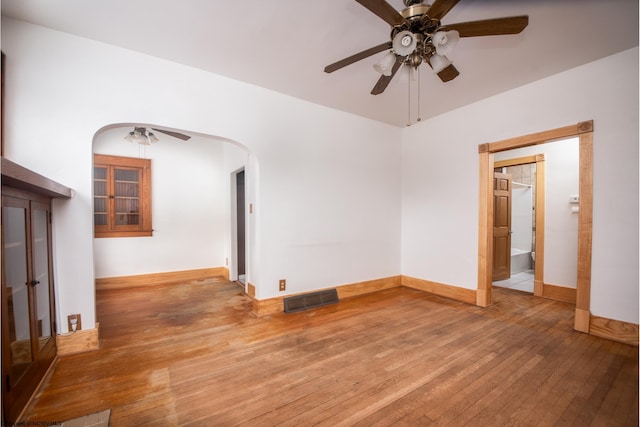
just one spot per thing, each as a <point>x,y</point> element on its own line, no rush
<point>312,300</point>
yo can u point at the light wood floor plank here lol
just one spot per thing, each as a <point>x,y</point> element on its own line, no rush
<point>192,354</point>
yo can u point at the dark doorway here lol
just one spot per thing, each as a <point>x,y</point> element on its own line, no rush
<point>240,203</point>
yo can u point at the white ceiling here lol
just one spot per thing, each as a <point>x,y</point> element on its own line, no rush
<point>284,45</point>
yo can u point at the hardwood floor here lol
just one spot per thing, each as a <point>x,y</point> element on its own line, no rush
<point>192,354</point>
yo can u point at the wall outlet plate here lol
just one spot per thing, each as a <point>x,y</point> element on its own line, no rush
<point>283,284</point>
<point>74,318</point>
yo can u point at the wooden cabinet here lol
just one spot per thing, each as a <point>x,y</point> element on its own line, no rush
<point>28,306</point>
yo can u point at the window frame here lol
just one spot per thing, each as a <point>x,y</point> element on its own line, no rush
<point>144,228</point>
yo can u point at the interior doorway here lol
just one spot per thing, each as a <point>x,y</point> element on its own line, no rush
<point>240,228</point>
<point>519,245</point>
<point>584,132</point>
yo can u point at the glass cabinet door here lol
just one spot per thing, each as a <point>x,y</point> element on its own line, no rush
<point>41,281</point>
<point>28,310</point>
<point>16,288</point>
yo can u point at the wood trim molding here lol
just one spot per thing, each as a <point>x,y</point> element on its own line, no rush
<point>583,130</point>
<point>485,232</point>
<point>275,305</point>
<point>123,282</point>
<point>615,330</point>
<point>558,293</point>
<point>581,320</point>
<point>541,137</point>
<point>361,288</point>
<point>79,341</point>
<point>17,176</point>
<point>269,306</point>
<point>519,161</point>
<point>585,229</point>
<point>454,292</point>
<point>251,290</point>
<point>541,197</point>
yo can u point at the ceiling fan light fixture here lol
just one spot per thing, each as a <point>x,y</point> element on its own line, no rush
<point>141,136</point>
<point>385,66</point>
<point>439,62</point>
<point>404,43</point>
<point>445,41</point>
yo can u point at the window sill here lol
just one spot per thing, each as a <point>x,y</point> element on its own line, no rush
<point>142,233</point>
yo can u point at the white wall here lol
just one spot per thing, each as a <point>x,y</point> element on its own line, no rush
<point>325,185</point>
<point>440,177</point>
<point>188,206</point>
<point>521,218</point>
<point>561,224</point>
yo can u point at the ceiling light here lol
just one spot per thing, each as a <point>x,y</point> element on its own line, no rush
<point>439,62</point>
<point>404,43</point>
<point>142,136</point>
<point>386,64</point>
<point>445,41</point>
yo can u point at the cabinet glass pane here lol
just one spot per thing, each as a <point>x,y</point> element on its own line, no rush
<point>15,254</point>
<point>41,274</point>
<point>126,195</point>
<point>100,195</point>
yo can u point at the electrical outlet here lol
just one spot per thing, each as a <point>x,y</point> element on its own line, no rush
<point>74,322</point>
<point>283,285</point>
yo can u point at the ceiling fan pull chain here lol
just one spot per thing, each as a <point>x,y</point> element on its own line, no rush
<point>409,99</point>
<point>419,90</point>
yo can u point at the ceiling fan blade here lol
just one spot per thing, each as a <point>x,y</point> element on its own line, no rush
<point>440,8</point>
<point>384,11</point>
<point>491,27</point>
<point>384,81</point>
<point>173,134</point>
<point>448,73</point>
<point>357,57</point>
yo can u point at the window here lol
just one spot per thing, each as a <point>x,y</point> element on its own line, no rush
<point>121,196</point>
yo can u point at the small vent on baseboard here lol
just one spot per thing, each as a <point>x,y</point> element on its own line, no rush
<point>311,300</point>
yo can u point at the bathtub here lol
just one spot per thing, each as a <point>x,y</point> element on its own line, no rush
<point>520,260</point>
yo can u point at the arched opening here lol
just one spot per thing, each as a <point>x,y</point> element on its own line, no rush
<point>192,226</point>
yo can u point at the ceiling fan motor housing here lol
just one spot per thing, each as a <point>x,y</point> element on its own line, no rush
<point>422,26</point>
<point>408,3</point>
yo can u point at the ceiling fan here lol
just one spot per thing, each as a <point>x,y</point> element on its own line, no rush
<point>178,135</point>
<point>144,136</point>
<point>418,35</point>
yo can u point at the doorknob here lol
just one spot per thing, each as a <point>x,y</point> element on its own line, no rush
<point>34,282</point>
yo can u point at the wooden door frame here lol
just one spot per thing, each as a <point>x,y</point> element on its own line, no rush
<point>582,130</point>
<point>538,160</point>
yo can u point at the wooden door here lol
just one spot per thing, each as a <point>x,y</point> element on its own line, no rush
<point>28,309</point>
<point>501,226</point>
